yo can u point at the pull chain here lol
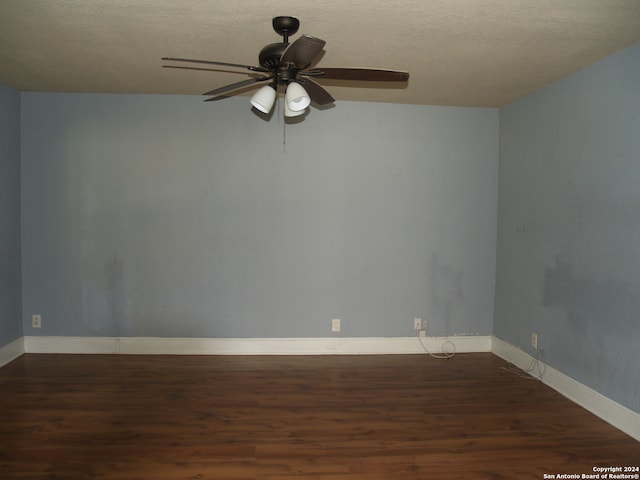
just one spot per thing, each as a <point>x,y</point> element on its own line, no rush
<point>284,129</point>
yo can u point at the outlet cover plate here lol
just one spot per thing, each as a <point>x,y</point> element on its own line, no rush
<point>335,325</point>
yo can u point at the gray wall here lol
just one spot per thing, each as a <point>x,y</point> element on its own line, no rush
<point>166,216</point>
<point>10,288</point>
<point>569,226</point>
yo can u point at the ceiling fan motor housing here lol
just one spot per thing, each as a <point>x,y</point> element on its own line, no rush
<point>269,56</point>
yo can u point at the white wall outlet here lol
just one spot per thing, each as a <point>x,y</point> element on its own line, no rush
<point>335,325</point>
<point>425,324</point>
<point>417,323</point>
<point>534,340</point>
<point>36,320</point>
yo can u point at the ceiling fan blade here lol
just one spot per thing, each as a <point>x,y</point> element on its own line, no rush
<point>203,69</point>
<point>210,62</point>
<point>302,52</point>
<point>361,74</point>
<point>235,86</point>
<point>317,93</point>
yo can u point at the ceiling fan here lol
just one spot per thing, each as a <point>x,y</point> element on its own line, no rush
<point>288,65</point>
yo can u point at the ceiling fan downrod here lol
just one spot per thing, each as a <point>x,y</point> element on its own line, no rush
<point>285,26</point>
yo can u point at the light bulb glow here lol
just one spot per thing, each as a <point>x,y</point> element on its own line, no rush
<point>290,113</point>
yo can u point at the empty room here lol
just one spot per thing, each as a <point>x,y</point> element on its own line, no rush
<point>392,240</point>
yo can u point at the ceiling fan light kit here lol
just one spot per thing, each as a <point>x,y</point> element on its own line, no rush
<point>288,65</point>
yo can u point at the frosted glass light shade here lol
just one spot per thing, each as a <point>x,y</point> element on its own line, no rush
<point>296,97</point>
<point>264,98</point>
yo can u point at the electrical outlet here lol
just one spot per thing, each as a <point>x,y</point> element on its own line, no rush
<point>335,325</point>
<point>36,320</point>
<point>425,324</point>
<point>534,340</point>
<point>417,323</point>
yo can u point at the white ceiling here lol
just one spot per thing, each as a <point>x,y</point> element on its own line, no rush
<point>459,52</point>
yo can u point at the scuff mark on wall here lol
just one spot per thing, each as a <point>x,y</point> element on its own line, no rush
<point>585,297</point>
<point>600,314</point>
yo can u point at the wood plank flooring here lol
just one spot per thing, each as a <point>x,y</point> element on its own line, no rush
<point>292,417</point>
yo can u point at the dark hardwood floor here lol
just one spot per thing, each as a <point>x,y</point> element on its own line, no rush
<point>292,417</point>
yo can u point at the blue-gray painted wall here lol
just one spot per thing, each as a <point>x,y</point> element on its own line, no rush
<point>166,216</point>
<point>10,281</point>
<point>569,226</point>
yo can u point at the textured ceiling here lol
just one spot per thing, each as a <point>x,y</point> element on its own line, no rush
<point>458,52</point>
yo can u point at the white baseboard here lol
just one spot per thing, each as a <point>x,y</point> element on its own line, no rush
<point>11,351</point>
<point>255,346</point>
<point>610,411</point>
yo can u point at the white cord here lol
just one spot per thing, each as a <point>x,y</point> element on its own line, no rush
<point>444,355</point>
<point>534,366</point>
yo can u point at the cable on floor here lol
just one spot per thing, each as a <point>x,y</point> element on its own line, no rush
<point>445,355</point>
<point>535,370</point>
